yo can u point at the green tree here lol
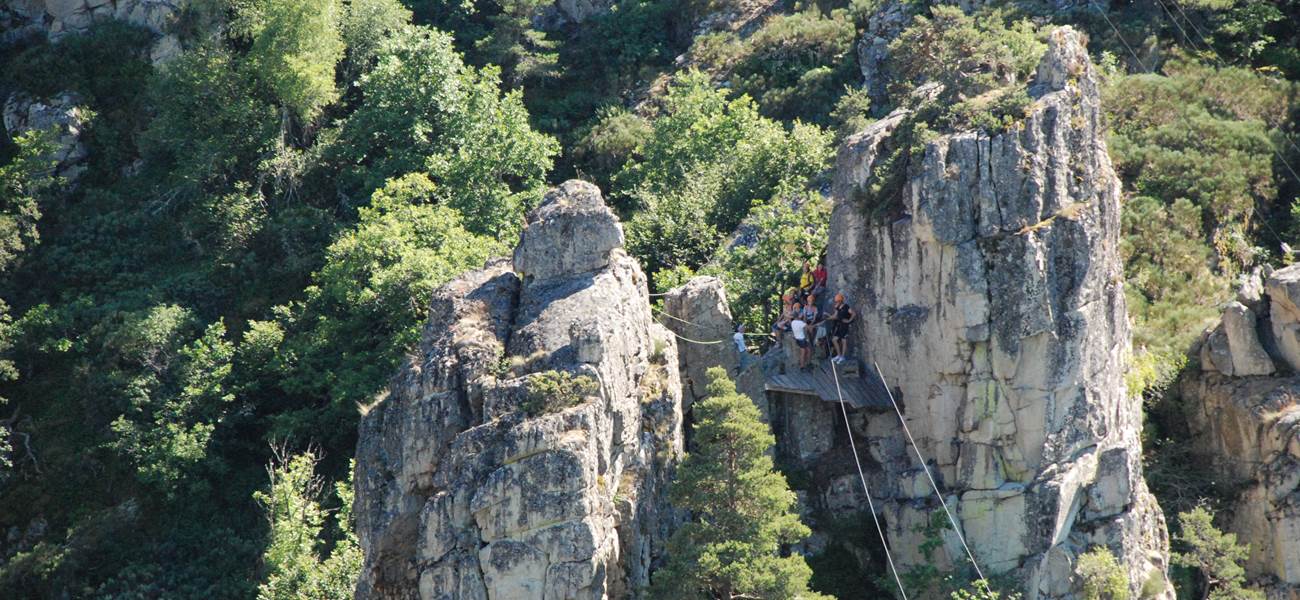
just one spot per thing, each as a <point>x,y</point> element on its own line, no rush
<point>512,42</point>
<point>176,401</point>
<point>366,23</point>
<point>742,509</point>
<point>212,127</point>
<point>293,557</point>
<point>367,303</point>
<point>1101,576</point>
<point>296,45</point>
<point>24,181</point>
<point>424,111</point>
<point>707,162</point>
<point>1215,555</point>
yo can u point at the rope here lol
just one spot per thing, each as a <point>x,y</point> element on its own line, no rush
<point>926,468</point>
<point>676,318</point>
<point>686,339</point>
<point>867,490</point>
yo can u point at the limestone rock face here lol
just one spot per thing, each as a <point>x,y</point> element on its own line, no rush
<point>57,18</point>
<point>460,494</point>
<point>63,116</point>
<point>991,296</point>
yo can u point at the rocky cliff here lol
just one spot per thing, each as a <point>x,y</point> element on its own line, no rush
<point>466,488</point>
<point>990,293</point>
<point>57,18</point>
<point>1245,424</point>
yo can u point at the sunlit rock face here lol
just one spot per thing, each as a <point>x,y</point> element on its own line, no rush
<point>990,293</point>
<point>1243,422</point>
<point>460,494</point>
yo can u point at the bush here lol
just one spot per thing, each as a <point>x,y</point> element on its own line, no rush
<point>1100,576</point>
<point>610,143</point>
<point>980,590</point>
<point>1195,146</point>
<point>968,55</point>
<point>553,391</point>
<point>796,66</point>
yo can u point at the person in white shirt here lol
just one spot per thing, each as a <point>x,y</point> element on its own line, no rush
<point>739,338</point>
<point>799,328</point>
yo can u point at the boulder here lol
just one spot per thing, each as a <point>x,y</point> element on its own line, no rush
<point>1233,347</point>
<point>698,310</point>
<point>1283,289</point>
<point>572,232</point>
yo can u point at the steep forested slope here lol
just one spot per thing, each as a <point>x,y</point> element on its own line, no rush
<point>222,221</point>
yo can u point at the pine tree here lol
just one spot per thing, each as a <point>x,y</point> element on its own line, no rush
<point>742,507</point>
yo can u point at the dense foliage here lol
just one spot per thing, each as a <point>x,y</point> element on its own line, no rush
<point>246,258</point>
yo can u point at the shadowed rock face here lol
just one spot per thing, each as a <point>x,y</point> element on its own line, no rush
<point>992,298</point>
<point>61,116</point>
<point>57,18</point>
<point>460,494</point>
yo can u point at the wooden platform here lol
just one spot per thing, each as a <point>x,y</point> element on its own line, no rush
<point>860,387</point>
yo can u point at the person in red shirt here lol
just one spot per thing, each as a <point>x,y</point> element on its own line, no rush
<point>819,278</point>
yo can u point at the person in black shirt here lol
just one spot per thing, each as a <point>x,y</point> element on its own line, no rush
<point>842,316</point>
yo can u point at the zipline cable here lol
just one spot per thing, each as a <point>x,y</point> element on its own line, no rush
<point>926,468</point>
<point>866,489</point>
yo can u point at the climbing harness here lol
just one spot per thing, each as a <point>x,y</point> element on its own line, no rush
<point>928,475</point>
<point>871,504</point>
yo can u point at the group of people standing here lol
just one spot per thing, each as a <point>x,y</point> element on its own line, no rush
<point>809,323</point>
